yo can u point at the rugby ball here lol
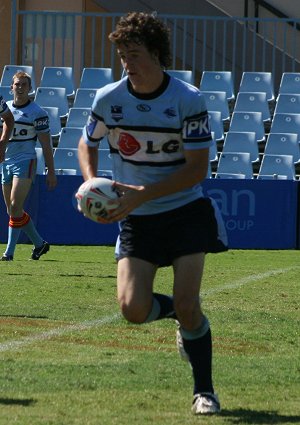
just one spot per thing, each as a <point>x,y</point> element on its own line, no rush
<point>93,197</point>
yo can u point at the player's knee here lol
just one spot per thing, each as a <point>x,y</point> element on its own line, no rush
<point>133,312</point>
<point>187,311</point>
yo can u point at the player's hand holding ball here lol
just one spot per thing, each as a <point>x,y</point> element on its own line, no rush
<point>94,199</point>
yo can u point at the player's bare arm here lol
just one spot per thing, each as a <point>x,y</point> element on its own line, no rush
<point>88,160</point>
<point>44,139</point>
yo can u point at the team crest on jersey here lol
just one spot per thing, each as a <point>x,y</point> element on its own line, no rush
<point>142,107</point>
<point>128,145</point>
<point>116,112</point>
<point>170,112</point>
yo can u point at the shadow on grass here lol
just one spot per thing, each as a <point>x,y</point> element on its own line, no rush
<point>17,401</point>
<point>247,416</point>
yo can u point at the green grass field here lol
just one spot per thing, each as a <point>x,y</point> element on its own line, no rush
<point>68,358</point>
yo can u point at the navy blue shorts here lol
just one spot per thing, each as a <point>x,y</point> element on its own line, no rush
<point>161,238</point>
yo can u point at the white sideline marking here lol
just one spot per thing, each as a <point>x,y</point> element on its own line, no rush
<point>15,345</point>
<point>248,279</point>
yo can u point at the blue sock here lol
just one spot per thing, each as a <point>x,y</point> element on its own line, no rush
<point>198,345</point>
<point>33,234</point>
<point>13,236</point>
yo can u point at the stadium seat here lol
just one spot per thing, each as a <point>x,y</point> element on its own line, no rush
<point>182,74</point>
<point>242,142</point>
<point>10,70</point>
<point>69,137</point>
<point>218,81</point>
<point>213,151</point>
<point>66,159</point>
<point>104,161</point>
<point>40,167</point>
<point>230,176</point>
<point>59,76</point>
<point>283,144</point>
<point>236,163</point>
<point>248,121</point>
<point>288,104</point>
<point>53,96</point>
<point>286,123</point>
<point>252,102</point>
<point>7,93</point>
<point>84,98</point>
<point>216,124</point>
<point>290,83</point>
<point>77,117</point>
<point>258,82</point>
<point>277,165</point>
<point>217,101</point>
<point>54,120</point>
<point>94,78</point>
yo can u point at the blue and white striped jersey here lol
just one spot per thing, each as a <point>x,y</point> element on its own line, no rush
<point>30,119</point>
<point>149,134</point>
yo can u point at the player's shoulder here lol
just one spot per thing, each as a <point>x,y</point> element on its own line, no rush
<point>110,89</point>
<point>36,109</point>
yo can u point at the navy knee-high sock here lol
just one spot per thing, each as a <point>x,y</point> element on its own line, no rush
<point>200,356</point>
<point>162,308</point>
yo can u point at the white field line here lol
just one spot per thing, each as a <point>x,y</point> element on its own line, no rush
<point>15,345</point>
<point>248,279</point>
<point>40,337</point>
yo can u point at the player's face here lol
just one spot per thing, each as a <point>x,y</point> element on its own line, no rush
<point>20,88</point>
<point>142,67</point>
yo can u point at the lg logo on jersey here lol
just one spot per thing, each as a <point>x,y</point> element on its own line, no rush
<point>128,146</point>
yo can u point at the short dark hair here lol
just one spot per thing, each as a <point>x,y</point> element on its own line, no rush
<point>146,29</point>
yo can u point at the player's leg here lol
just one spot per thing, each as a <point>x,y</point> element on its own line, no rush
<point>195,330</point>
<point>137,301</point>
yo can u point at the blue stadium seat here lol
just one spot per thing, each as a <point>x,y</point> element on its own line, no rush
<point>242,142</point>
<point>277,165</point>
<point>54,120</point>
<point>216,124</point>
<point>248,121</point>
<point>84,98</point>
<point>217,101</point>
<point>182,74</point>
<point>288,104</point>
<point>236,163</point>
<point>104,162</point>
<point>40,168</point>
<point>66,159</point>
<point>69,137</point>
<point>218,81</point>
<point>94,78</point>
<point>252,102</point>
<point>283,144</point>
<point>78,117</point>
<point>53,96</point>
<point>258,82</point>
<point>9,71</point>
<point>286,123</point>
<point>290,83</point>
<point>59,76</point>
<point>230,176</point>
<point>7,93</point>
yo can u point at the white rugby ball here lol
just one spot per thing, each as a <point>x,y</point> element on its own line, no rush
<point>93,196</point>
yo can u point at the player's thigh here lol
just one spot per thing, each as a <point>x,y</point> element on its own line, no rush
<point>19,191</point>
<point>6,190</point>
<point>188,271</point>
<point>135,282</point>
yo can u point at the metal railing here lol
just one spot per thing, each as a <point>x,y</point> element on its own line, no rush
<point>198,42</point>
